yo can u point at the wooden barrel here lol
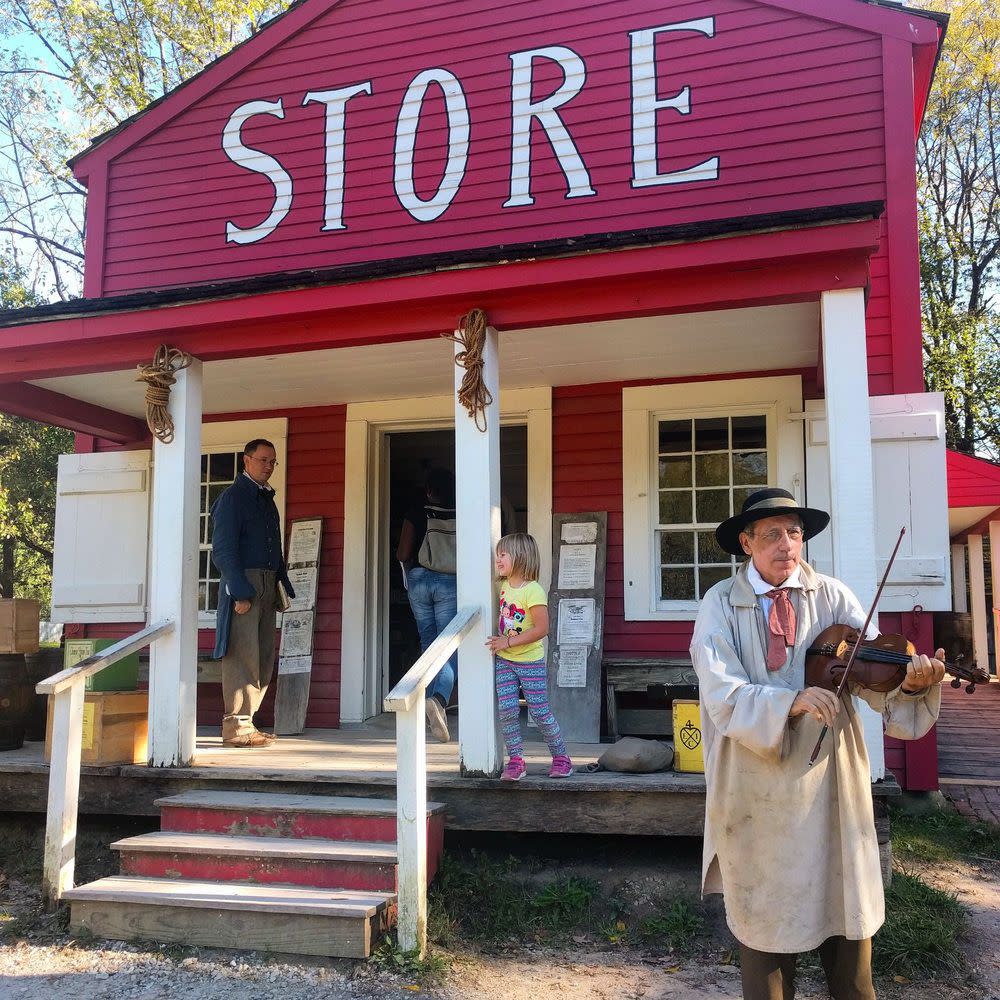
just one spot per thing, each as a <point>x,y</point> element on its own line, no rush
<point>15,700</point>
<point>46,662</point>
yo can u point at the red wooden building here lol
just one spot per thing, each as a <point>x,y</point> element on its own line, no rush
<point>693,227</point>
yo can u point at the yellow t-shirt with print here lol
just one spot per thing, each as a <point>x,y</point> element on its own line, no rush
<point>516,617</point>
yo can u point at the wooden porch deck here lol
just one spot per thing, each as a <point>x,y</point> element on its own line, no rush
<point>969,736</point>
<point>362,761</point>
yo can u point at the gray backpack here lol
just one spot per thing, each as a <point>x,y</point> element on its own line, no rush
<point>438,549</point>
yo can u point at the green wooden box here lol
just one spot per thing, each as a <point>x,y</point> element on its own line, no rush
<point>120,676</point>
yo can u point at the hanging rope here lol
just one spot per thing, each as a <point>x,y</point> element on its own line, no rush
<point>159,377</point>
<point>472,393</point>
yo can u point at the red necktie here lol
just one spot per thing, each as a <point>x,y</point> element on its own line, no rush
<point>781,621</point>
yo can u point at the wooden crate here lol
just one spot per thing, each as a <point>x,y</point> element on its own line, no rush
<point>18,625</point>
<point>115,727</point>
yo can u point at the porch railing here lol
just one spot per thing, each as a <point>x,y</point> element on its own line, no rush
<point>67,689</point>
<point>407,700</point>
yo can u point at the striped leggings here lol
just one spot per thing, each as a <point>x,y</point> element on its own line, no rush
<point>531,678</point>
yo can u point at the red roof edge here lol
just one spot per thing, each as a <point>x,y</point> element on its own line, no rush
<point>972,481</point>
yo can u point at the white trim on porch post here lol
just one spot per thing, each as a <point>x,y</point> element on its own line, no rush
<point>477,506</point>
<point>977,596</point>
<point>173,576</point>
<point>959,595</point>
<point>852,490</point>
<point>995,578</point>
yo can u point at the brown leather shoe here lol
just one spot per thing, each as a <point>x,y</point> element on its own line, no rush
<point>249,741</point>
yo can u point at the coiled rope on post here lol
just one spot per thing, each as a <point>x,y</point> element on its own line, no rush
<point>159,377</point>
<point>472,392</point>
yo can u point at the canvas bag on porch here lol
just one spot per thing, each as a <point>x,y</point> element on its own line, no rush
<point>438,549</point>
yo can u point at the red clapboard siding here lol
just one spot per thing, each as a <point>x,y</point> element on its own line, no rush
<point>793,107</point>
<point>972,482</point>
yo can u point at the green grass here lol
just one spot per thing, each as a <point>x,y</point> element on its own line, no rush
<point>491,902</point>
<point>388,957</point>
<point>942,835</point>
<point>677,926</point>
<point>920,936</point>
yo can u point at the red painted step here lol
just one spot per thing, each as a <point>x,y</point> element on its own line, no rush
<point>321,864</point>
<point>262,814</point>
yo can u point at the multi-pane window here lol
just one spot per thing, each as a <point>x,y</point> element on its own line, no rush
<point>218,470</point>
<point>706,468</point>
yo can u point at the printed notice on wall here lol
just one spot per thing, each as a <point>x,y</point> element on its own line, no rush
<point>89,714</point>
<point>576,621</point>
<point>296,633</point>
<point>577,564</point>
<point>572,672</point>
<point>295,664</point>
<point>303,581</point>
<point>579,532</point>
<point>303,546</point>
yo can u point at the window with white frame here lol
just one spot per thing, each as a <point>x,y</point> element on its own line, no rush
<point>221,461</point>
<point>691,455</point>
<point>706,467</point>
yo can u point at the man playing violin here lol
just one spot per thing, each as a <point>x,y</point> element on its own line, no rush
<point>791,847</point>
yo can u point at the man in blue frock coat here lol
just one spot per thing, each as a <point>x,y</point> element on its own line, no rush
<point>248,551</point>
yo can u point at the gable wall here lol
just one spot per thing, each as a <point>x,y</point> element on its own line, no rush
<point>792,106</point>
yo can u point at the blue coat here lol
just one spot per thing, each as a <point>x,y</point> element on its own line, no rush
<point>246,534</point>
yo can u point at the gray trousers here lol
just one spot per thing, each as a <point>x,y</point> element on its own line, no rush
<point>248,665</point>
<point>847,964</point>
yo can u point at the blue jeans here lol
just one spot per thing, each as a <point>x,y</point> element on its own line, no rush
<point>434,602</point>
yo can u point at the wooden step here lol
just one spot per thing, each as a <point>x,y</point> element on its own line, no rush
<point>326,864</point>
<point>342,924</point>
<point>262,814</point>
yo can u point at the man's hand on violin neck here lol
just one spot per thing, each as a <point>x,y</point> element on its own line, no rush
<point>821,704</point>
<point>924,672</point>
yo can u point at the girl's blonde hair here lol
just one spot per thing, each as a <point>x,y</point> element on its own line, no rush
<point>523,552</point>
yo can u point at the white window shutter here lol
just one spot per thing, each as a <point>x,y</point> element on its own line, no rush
<point>911,490</point>
<point>101,537</point>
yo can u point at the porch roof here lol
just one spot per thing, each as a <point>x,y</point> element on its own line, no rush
<point>973,493</point>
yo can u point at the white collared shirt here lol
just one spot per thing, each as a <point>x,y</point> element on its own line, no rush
<point>761,586</point>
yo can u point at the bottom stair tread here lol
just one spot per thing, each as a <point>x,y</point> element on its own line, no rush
<point>232,896</point>
<point>275,918</point>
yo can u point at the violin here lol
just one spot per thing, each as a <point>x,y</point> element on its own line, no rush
<point>880,663</point>
<point>884,659</point>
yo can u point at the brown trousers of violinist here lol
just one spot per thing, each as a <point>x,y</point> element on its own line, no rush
<point>847,964</point>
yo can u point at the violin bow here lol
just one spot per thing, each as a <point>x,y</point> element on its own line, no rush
<point>860,639</point>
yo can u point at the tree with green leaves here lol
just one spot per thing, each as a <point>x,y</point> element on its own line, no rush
<point>958,160</point>
<point>70,70</point>
<point>28,460</point>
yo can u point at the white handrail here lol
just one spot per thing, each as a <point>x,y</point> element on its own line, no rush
<point>67,689</point>
<point>406,700</point>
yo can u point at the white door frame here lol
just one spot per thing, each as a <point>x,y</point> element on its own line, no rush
<point>364,576</point>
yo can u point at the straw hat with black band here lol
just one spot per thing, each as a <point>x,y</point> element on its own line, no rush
<point>770,502</point>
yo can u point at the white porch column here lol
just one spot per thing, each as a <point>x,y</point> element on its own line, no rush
<point>995,577</point>
<point>477,505</point>
<point>852,493</point>
<point>173,575</point>
<point>959,597</point>
<point>977,599</point>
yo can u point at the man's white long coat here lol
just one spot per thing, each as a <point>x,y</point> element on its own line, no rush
<point>792,848</point>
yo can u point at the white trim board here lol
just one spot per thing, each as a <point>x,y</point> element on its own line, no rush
<point>367,423</point>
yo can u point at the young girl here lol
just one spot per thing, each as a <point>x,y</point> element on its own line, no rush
<point>520,656</point>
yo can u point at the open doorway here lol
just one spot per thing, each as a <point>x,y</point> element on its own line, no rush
<point>409,454</point>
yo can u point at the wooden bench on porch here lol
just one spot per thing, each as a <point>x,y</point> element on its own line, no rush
<point>647,675</point>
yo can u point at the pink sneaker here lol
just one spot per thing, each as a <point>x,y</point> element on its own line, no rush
<point>562,767</point>
<point>515,770</point>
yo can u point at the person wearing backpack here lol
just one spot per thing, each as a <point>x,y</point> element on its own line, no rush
<point>427,551</point>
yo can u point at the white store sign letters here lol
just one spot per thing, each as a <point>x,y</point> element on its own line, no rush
<point>525,112</point>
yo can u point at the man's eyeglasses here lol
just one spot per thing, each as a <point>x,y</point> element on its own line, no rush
<point>273,462</point>
<point>773,535</point>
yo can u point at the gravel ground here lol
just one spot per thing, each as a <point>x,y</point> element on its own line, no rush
<point>39,960</point>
